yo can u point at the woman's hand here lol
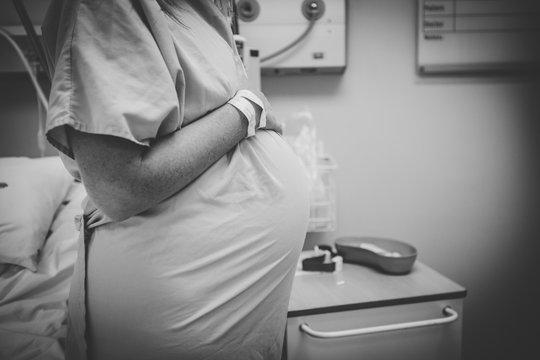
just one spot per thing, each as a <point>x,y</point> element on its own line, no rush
<point>272,122</point>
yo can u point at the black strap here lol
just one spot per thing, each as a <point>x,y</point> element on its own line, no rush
<point>317,263</point>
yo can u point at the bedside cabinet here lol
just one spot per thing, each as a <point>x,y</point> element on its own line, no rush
<point>360,313</point>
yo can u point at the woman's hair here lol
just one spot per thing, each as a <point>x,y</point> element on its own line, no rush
<point>168,7</point>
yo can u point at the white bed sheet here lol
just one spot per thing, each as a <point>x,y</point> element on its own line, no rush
<point>33,309</point>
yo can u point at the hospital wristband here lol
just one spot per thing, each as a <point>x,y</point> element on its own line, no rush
<point>245,107</point>
<point>255,99</point>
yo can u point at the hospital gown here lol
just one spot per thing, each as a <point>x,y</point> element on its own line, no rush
<point>206,274</point>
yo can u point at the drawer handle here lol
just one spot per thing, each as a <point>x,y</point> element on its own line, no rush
<point>450,316</point>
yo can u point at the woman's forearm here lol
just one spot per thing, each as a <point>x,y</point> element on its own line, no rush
<point>124,179</point>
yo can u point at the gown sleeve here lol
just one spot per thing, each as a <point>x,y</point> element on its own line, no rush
<point>110,75</point>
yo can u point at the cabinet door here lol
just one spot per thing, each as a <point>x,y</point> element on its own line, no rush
<point>441,342</point>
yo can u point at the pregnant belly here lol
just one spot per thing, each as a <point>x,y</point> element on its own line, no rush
<point>214,262</point>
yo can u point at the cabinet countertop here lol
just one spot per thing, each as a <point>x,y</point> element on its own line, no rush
<point>360,287</point>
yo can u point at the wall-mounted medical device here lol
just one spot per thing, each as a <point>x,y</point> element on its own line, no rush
<point>295,36</point>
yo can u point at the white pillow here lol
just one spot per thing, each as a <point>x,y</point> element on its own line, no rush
<point>30,192</point>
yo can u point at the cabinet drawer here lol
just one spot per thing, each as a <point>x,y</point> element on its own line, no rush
<point>442,341</point>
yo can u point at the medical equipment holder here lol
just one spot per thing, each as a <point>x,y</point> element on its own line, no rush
<point>322,217</point>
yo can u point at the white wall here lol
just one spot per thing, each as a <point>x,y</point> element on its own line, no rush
<point>445,163</point>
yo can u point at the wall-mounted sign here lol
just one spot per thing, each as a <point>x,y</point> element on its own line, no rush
<point>476,35</point>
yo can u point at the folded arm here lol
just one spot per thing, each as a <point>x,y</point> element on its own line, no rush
<point>123,178</point>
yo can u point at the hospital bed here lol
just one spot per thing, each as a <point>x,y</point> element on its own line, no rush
<point>39,202</point>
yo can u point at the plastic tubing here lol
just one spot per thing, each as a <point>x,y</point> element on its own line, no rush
<point>41,96</point>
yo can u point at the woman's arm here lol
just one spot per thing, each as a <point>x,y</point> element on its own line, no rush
<point>124,179</point>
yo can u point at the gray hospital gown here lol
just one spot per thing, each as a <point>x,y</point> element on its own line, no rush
<point>206,274</point>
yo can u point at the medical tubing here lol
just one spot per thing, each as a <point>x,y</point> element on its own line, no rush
<point>41,138</point>
<point>32,36</point>
<point>27,66</point>
<point>292,44</point>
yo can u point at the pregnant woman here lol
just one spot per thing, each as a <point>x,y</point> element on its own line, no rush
<point>197,209</point>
